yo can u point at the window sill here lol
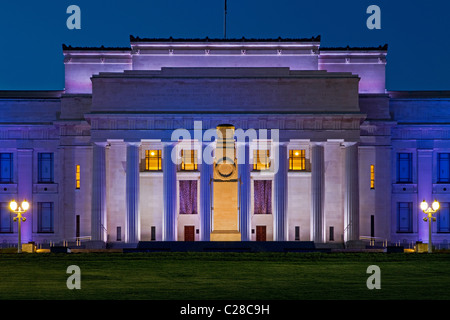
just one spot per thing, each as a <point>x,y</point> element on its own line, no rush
<point>45,188</point>
<point>8,187</point>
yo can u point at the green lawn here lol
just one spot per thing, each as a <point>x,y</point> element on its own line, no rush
<point>236,276</point>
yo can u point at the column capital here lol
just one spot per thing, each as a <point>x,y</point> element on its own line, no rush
<point>103,144</point>
<point>346,144</point>
<point>135,143</point>
<point>169,143</point>
<point>317,143</point>
<point>284,144</point>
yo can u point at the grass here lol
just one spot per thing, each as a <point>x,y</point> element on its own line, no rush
<point>217,276</point>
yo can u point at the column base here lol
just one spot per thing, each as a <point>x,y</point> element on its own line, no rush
<point>225,235</point>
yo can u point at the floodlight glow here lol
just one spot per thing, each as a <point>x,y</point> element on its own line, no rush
<point>25,205</point>
<point>13,205</point>
<point>424,205</point>
<point>435,205</point>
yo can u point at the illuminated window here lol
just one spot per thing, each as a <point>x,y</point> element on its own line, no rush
<point>188,160</point>
<point>152,160</point>
<point>261,160</point>
<point>372,176</point>
<point>297,161</point>
<point>77,176</point>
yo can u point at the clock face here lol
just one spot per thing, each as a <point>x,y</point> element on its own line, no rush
<point>225,167</point>
<point>225,170</point>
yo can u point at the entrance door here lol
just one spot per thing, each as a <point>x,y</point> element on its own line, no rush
<point>189,233</point>
<point>260,233</point>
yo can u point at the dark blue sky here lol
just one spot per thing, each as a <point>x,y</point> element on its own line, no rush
<point>32,32</point>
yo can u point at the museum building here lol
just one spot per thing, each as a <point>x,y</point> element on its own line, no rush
<point>224,140</point>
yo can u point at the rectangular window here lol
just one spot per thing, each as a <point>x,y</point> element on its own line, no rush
<point>77,177</point>
<point>45,167</point>
<point>77,226</point>
<point>372,176</point>
<point>404,217</point>
<point>443,167</point>
<point>153,160</point>
<point>6,167</point>
<point>188,160</point>
<point>404,167</point>
<point>262,190</point>
<point>45,217</point>
<point>372,225</point>
<point>297,233</point>
<point>261,160</point>
<point>153,233</point>
<point>331,233</point>
<point>188,196</point>
<point>119,234</point>
<point>297,161</point>
<point>6,221</point>
<point>443,217</point>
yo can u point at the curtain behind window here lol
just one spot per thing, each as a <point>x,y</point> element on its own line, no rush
<point>188,196</point>
<point>263,197</point>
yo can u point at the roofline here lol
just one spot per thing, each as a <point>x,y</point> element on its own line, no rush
<point>243,40</point>
<point>56,94</point>
<point>101,48</point>
<point>348,48</point>
<point>419,94</point>
<point>31,94</point>
<point>207,39</point>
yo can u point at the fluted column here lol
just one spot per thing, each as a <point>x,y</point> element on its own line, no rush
<point>280,195</point>
<point>169,193</point>
<point>132,230</point>
<point>98,214</point>
<point>351,214</point>
<point>317,192</point>
<point>244,190</point>
<point>205,195</point>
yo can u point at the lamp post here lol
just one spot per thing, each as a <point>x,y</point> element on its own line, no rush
<point>19,211</point>
<point>429,212</point>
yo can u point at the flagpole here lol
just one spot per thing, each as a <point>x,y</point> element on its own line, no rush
<point>225,22</point>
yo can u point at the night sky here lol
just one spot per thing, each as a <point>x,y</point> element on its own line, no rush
<point>32,32</point>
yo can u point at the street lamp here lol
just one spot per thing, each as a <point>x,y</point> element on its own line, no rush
<point>429,212</point>
<point>19,210</point>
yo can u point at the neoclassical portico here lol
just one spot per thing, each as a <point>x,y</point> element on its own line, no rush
<point>282,220</point>
<point>263,205</point>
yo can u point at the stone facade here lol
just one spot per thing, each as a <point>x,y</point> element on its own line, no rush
<point>166,95</point>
